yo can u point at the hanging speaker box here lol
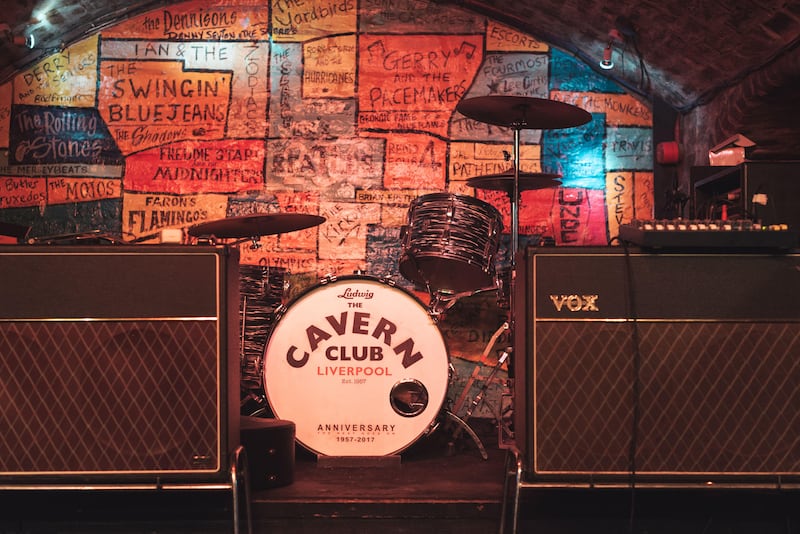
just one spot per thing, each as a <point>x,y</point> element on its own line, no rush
<point>118,363</point>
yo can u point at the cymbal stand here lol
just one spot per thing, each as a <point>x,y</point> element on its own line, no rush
<point>509,325</point>
<point>504,435</point>
<point>515,207</point>
<point>479,397</point>
<point>518,112</point>
<point>514,200</point>
<point>441,301</point>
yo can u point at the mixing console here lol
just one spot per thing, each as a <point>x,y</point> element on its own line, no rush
<point>685,233</point>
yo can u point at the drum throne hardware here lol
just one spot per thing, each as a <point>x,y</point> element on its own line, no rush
<point>518,113</point>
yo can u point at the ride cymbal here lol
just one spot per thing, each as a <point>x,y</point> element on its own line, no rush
<point>245,226</point>
<point>528,181</point>
<point>523,112</point>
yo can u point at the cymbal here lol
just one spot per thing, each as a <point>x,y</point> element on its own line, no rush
<point>523,112</point>
<point>505,182</point>
<point>255,225</point>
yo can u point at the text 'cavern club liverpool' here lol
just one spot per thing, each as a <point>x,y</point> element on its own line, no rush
<point>357,323</point>
<point>359,365</point>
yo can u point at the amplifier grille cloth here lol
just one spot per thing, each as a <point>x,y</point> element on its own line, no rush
<point>714,397</point>
<point>108,396</point>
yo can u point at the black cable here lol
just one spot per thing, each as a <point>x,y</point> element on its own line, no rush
<point>636,386</point>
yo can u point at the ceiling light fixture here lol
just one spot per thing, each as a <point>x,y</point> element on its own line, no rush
<point>21,40</point>
<point>15,38</point>
<point>607,63</point>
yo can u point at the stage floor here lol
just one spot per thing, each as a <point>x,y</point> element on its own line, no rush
<point>437,485</point>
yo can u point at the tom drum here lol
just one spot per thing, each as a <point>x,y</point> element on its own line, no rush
<point>451,242</point>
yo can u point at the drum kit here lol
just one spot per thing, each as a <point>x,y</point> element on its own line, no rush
<point>357,363</point>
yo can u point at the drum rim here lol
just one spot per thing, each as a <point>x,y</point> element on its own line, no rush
<point>326,281</point>
<point>469,199</point>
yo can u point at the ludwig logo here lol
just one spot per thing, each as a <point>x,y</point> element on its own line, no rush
<point>349,293</point>
<point>575,303</point>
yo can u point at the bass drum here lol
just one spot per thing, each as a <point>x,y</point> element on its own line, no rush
<point>358,365</point>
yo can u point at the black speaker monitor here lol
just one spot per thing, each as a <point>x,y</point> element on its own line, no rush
<point>118,363</point>
<point>670,367</point>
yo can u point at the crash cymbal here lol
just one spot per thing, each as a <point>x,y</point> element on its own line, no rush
<point>523,112</point>
<point>505,182</point>
<point>255,225</point>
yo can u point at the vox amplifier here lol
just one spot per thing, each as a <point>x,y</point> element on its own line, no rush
<point>667,368</point>
<point>118,363</point>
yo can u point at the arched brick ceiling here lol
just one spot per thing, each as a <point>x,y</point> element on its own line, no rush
<point>741,53</point>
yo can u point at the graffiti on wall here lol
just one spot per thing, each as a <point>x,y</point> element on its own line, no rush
<point>197,112</point>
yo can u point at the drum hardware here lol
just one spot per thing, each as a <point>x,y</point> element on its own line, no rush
<point>463,426</point>
<point>253,404</point>
<point>476,401</point>
<point>255,243</point>
<point>441,301</point>
<point>480,396</point>
<point>518,113</point>
<point>94,237</point>
<point>462,398</point>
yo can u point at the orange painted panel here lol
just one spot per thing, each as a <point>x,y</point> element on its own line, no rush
<point>198,166</point>
<point>22,192</point>
<point>200,20</point>
<point>68,190</point>
<point>414,83</point>
<point>152,103</point>
<point>65,78</point>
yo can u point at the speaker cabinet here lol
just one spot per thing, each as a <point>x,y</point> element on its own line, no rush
<point>657,368</point>
<point>118,363</point>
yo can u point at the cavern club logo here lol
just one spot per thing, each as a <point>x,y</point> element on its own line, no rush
<point>365,337</point>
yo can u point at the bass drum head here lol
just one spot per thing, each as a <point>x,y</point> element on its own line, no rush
<point>359,366</point>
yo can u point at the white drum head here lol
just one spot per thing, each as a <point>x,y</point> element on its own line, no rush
<point>359,366</point>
